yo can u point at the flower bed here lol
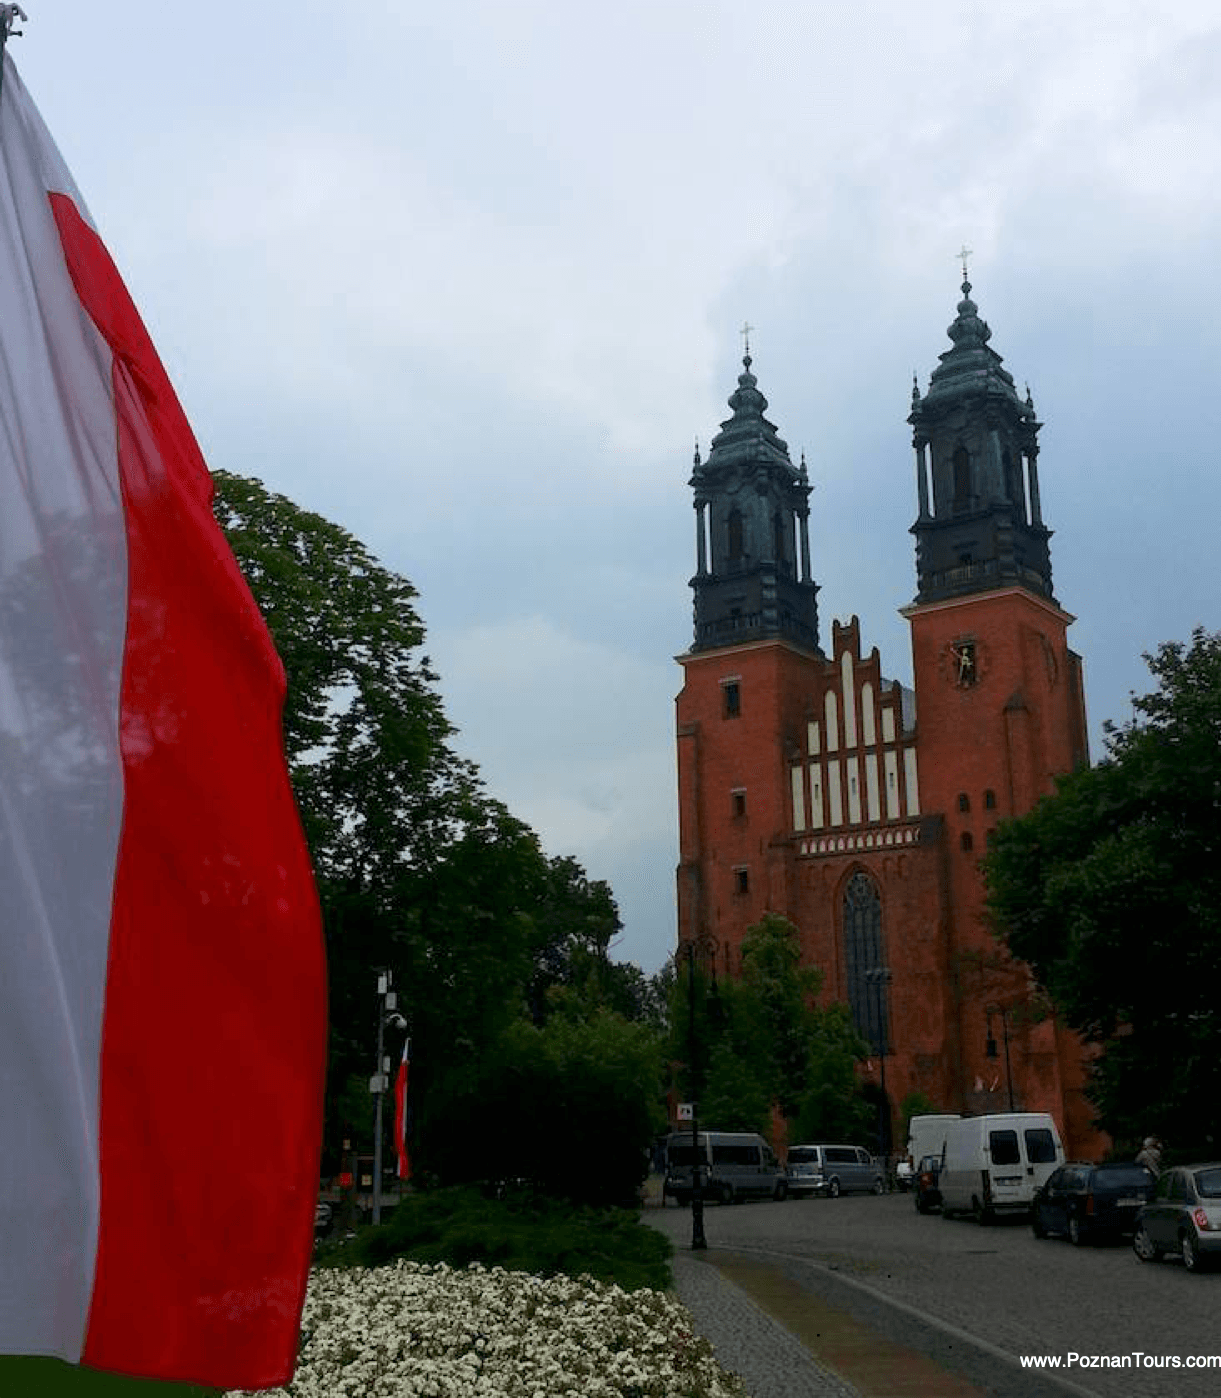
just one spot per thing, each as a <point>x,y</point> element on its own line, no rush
<point>417,1331</point>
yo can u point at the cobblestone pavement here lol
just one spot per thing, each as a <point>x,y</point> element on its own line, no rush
<point>971,1300</point>
<point>771,1362</point>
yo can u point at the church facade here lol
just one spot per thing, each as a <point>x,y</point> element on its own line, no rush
<point>812,786</point>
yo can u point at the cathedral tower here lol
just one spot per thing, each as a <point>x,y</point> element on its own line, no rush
<point>1000,703</point>
<point>752,513</point>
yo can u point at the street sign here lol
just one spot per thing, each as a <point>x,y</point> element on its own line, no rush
<point>686,1111</point>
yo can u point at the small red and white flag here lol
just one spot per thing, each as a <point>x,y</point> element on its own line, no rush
<point>162,1007</point>
<point>400,1113</point>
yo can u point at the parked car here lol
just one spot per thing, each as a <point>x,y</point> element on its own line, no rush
<point>1084,1201</point>
<point>833,1170</point>
<point>904,1175</point>
<point>1183,1216</point>
<point>927,1187</point>
<point>732,1165</point>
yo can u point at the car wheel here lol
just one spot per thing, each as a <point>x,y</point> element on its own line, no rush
<point>979,1213</point>
<point>1193,1258</point>
<point>1144,1246</point>
<point>726,1194</point>
<point>1036,1224</point>
<point>833,1190</point>
<point>879,1187</point>
<point>921,1206</point>
<point>781,1191</point>
<point>1076,1234</point>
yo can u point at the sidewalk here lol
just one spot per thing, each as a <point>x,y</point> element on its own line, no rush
<point>786,1342</point>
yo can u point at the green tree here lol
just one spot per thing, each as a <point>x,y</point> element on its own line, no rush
<point>570,1108</point>
<point>1110,889</point>
<point>418,869</point>
<point>762,1041</point>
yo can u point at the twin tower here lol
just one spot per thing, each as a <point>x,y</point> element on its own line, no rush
<point>812,786</point>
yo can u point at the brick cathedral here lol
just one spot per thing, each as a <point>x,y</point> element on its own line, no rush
<point>812,786</point>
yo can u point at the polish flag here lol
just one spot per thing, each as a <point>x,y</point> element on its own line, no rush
<point>162,1002</point>
<point>400,1113</point>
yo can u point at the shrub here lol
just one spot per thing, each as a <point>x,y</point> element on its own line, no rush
<point>521,1232</point>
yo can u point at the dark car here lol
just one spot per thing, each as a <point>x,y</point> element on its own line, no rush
<point>1183,1216</point>
<point>1083,1201</point>
<point>925,1186</point>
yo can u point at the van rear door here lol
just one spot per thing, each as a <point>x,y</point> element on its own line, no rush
<point>1007,1182</point>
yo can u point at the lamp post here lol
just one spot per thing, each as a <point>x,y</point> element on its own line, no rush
<point>698,1241</point>
<point>990,1047</point>
<point>879,977</point>
<point>387,1002</point>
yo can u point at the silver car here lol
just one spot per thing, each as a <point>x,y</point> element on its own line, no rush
<point>832,1171</point>
<point>1184,1216</point>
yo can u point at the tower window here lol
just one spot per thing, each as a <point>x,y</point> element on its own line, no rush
<point>739,801</point>
<point>737,541</point>
<point>966,840</point>
<point>741,880</point>
<point>731,699</point>
<point>989,800</point>
<point>964,801</point>
<point>1013,484</point>
<point>962,478</point>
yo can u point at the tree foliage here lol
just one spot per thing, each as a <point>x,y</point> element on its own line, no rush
<point>569,1108</point>
<point>419,870</point>
<point>747,1046</point>
<point>1110,890</point>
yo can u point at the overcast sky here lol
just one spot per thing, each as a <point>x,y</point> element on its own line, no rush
<point>468,278</point>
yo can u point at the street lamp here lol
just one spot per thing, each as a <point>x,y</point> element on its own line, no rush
<point>990,1047</point>
<point>698,1241</point>
<point>879,977</point>
<point>387,1002</point>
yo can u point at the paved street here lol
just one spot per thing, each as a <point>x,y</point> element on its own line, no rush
<point>948,1286</point>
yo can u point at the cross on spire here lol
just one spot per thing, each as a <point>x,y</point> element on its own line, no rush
<point>747,327</point>
<point>963,253</point>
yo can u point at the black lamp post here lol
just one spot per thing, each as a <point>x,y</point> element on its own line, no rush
<point>379,1083</point>
<point>990,1048</point>
<point>879,977</point>
<point>698,1241</point>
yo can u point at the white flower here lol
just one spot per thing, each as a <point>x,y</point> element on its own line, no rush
<point>415,1331</point>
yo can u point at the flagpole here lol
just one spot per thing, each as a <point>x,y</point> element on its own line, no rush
<point>9,15</point>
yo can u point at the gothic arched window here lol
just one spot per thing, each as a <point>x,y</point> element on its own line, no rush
<point>868,994</point>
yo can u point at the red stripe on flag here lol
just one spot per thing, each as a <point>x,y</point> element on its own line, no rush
<point>400,1114</point>
<point>213,1042</point>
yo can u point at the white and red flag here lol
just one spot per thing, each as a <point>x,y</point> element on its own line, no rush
<point>162,1002</point>
<point>400,1113</point>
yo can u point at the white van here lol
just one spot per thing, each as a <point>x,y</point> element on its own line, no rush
<point>926,1135</point>
<point>993,1164</point>
<point>734,1165</point>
